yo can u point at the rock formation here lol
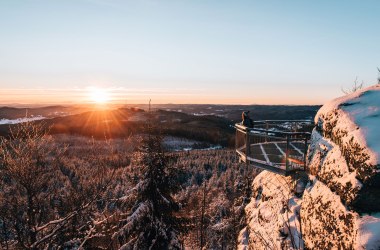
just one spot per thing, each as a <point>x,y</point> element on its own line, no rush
<point>340,208</point>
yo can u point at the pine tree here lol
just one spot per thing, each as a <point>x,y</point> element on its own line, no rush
<point>152,223</point>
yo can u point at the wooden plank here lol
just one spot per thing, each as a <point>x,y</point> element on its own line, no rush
<point>242,156</point>
<point>240,126</point>
<point>282,121</point>
<point>267,167</point>
<point>264,153</point>
<point>257,153</point>
<point>279,149</point>
<point>281,133</point>
<point>295,148</point>
<point>241,131</point>
<point>266,136</point>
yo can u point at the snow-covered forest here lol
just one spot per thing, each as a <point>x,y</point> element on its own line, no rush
<point>70,192</point>
<point>150,191</point>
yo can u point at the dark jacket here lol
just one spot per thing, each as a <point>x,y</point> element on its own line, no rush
<point>247,121</point>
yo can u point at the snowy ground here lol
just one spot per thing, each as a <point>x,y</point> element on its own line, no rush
<point>20,120</point>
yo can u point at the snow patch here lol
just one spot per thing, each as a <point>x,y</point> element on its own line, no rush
<point>359,115</point>
<point>21,120</point>
<point>273,214</point>
<point>369,232</point>
<point>243,239</point>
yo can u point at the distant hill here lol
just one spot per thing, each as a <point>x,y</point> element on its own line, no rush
<point>233,112</point>
<point>49,111</point>
<point>125,122</point>
<point>205,123</point>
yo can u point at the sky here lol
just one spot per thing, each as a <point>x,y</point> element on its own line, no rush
<point>177,51</point>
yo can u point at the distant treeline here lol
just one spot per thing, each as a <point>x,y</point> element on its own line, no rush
<point>119,124</point>
<point>126,122</point>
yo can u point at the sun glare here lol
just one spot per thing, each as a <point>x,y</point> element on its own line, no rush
<point>99,95</point>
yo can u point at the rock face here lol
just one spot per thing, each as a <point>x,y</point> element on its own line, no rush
<point>344,158</point>
<point>344,153</point>
<point>340,208</point>
<point>326,222</point>
<point>273,213</point>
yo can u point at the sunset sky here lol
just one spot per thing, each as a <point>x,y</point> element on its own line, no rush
<point>198,51</point>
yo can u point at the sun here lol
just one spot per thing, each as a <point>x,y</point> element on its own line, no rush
<point>99,95</point>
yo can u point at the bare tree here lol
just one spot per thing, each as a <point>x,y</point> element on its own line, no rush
<point>25,169</point>
<point>42,202</point>
<point>354,88</point>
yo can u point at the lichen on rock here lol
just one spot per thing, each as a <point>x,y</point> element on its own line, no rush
<point>343,157</point>
<point>326,222</point>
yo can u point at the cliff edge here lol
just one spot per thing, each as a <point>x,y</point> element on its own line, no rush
<point>340,207</point>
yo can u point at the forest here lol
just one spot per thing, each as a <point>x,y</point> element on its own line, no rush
<point>75,192</point>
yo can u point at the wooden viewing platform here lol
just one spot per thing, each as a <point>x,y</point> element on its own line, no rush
<point>279,146</point>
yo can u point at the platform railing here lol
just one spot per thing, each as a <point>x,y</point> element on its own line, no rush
<point>276,145</point>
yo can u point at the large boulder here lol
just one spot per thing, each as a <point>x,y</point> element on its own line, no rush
<point>344,158</point>
<point>340,208</point>
<point>273,215</point>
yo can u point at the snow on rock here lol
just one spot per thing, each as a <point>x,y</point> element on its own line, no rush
<point>357,116</point>
<point>344,158</point>
<point>369,228</point>
<point>327,162</point>
<point>326,222</point>
<point>345,148</point>
<point>340,208</point>
<point>243,239</point>
<point>272,214</point>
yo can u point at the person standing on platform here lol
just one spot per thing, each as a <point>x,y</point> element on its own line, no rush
<point>247,121</point>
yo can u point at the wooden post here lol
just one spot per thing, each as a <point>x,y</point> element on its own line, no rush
<point>287,154</point>
<point>266,128</point>
<point>305,153</point>
<point>247,145</point>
